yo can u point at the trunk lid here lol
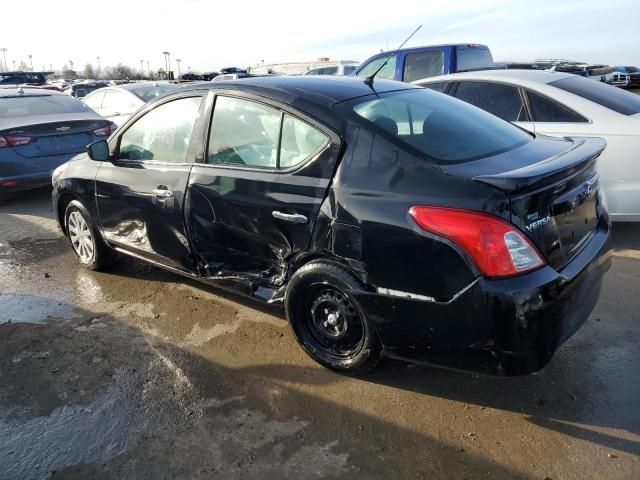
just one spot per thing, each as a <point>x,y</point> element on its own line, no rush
<point>554,196</point>
<point>54,134</point>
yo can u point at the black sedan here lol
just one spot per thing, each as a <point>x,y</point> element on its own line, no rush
<point>388,219</point>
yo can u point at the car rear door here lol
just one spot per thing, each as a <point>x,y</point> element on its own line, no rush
<point>140,192</point>
<point>253,200</point>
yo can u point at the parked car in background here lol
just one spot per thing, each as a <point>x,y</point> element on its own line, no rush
<point>84,88</point>
<point>40,130</point>
<point>341,67</point>
<point>118,103</point>
<point>23,78</point>
<point>562,104</point>
<point>386,217</point>
<point>411,64</point>
<point>633,73</point>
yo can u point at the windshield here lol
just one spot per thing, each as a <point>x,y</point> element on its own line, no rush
<point>610,97</point>
<point>152,91</point>
<point>438,126</point>
<point>40,105</point>
<point>387,71</point>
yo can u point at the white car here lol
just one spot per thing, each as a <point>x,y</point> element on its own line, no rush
<point>119,103</point>
<point>342,68</point>
<point>564,105</point>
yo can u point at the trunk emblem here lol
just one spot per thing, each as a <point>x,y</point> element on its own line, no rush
<point>62,129</point>
<point>537,224</point>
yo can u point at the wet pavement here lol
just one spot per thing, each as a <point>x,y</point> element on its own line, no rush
<point>137,373</point>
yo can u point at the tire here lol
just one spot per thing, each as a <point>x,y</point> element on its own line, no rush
<point>87,244</point>
<point>327,320</point>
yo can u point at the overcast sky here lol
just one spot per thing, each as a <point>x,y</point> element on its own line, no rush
<point>209,34</point>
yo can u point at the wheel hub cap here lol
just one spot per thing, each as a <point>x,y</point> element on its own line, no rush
<point>80,236</point>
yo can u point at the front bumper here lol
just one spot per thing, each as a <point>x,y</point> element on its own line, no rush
<point>500,327</point>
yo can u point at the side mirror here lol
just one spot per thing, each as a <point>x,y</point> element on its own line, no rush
<point>98,151</point>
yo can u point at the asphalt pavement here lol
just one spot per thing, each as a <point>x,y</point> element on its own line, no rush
<point>138,373</point>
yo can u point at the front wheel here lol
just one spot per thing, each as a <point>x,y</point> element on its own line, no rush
<point>327,320</point>
<point>85,240</point>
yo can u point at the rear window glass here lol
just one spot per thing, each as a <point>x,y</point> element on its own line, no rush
<point>150,92</point>
<point>45,105</point>
<point>438,126</point>
<point>473,58</point>
<point>423,65</point>
<point>610,97</point>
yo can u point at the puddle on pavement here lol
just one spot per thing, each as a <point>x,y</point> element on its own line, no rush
<point>21,308</point>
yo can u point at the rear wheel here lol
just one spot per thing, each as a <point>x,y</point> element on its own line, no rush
<point>85,240</point>
<point>327,320</point>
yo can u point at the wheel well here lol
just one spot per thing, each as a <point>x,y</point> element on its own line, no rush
<point>330,259</point>
<point>64,200</point>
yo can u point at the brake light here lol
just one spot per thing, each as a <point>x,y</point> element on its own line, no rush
<point>496,247</point>
<point>106,131</point>
<point>13,141</point>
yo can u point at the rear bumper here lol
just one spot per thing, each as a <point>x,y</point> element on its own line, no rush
<point>500,327</point>
<point>28,173</point>
<point>16,183</point>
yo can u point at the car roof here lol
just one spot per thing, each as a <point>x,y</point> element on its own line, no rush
<point>18,92</point>
<point>137,85</point>
<point>513,76</point>
<point>321,90</point>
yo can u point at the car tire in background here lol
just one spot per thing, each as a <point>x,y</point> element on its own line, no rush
<point>327,321</point>
<point>86,242</point>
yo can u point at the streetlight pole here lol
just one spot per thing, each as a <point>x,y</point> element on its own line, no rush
<point>141,68</point>
<point>98,58</point>
<point>4,54</point>
<point>148,70</point>
<point>31,61</point>
<point>178,60</point>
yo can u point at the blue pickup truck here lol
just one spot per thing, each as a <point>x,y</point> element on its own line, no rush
<point>411,64</point>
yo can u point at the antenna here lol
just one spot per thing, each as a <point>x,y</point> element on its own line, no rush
<point>369,79</point>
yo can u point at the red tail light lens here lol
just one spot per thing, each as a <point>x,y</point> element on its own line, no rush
<point>496,247</point>
<point>13,141</point>
<point>105,131</point>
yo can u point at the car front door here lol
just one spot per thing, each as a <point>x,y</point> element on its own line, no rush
<point>253,200</point>
<point>140,192</point>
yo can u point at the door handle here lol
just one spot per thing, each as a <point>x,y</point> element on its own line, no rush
<point>290,217</point>
<point>162,192</point>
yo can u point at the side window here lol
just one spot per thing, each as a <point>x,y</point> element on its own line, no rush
<point>437,86</point>
<point>422,65</point>
<point>387,72</point>
<point>163,134</point>
<point>247,133</point>
<point>546,110</point>
<point>244,133</point>
<point>501,100</point>
<point>349,69</point>
<point>299,141</point>
<point>94,101</point>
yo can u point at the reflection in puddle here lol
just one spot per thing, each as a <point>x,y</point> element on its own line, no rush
<point>21,308</point>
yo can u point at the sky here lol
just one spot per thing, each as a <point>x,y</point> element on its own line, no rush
<point>207,35</point>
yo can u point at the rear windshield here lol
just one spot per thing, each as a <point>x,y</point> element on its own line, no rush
<point>150,92</point>
<point>473,58</point>
<point>40,105</point>
<point>614,98</point>
<point>438,126</point>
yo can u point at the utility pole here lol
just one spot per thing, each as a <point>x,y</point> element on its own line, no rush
<point>4,54</point>
<point>178,60</point>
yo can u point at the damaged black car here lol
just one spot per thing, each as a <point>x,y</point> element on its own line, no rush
<point>389,220</point>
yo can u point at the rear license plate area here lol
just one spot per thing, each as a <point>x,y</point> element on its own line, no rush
<point>576,215</point>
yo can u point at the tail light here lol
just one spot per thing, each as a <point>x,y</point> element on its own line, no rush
<point>496,247</point>
<point>13,141</point>
<point>105,131</point>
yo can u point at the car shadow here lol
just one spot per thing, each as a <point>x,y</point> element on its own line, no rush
<point>116,403</point>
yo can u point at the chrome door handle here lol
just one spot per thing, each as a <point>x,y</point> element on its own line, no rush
<point>290,217</point>
<point>162,192</point>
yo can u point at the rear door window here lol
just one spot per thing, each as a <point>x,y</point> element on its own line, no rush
<point>503,101</point>
<point>423,65</point>
<point>614,98</point>
<point>547,110</point>
<point>437,86</point>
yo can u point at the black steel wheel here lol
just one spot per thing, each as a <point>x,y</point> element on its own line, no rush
<point>327,320</point>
